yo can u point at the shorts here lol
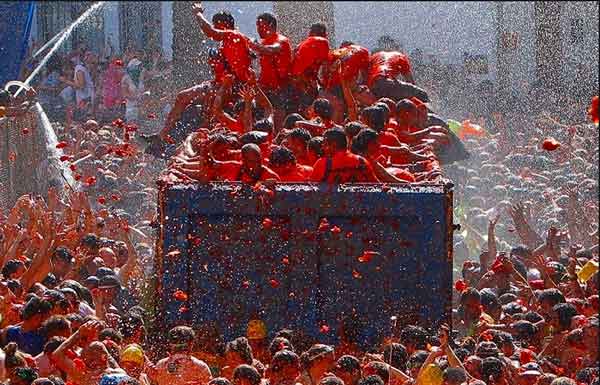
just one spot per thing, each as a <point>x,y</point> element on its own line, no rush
<point>397,90</point>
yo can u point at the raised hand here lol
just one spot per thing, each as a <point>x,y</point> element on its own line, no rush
<point>197,8</point>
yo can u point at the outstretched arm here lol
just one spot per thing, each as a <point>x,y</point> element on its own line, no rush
<point>205,25</point>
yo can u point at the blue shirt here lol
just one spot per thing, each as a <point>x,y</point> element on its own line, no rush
<point>29,342</point>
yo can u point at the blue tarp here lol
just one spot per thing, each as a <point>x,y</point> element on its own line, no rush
<point>15,25</point>
<point>295,272</point>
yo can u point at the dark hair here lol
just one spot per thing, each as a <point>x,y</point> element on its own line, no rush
<point>406,105</point>
<point>110,334</point>
<point>489,300</point>
<point>281,156</point>
<point>455,375</point>
<point>375,117</point>
<point>564,312</point>
<point>219,381</point>
<point>63,254</point>
<point>224,17</point>
<point>300,134</point>
<point>389,103</point>
<point>11,267</point>
<point>314,352</point>
<point>371,380</point>
<point>4,98</point>
<point>318,29</point>
<point>414,335</point>
<point>361,142</point>
<point>417,359</point>
<point>130,324</point>
<point>181,335</point>
<point>284,358</point>
<point>395,354</point>
<point>348,363</point>
<point>13,357</point>
<point>241,346</point>
<point>521,251</point>
<point>255,137</point>
<point>346,43</point>
<point>491,367</point>
<point>553,296</point>
<point>268,18</point>
<point>316,144</point>
<point>322,108</point>
<point>291,119</point>
<point>75,318</point>
<point>533,317</point>
<point>336,136</point>
<point>470,292</point>
<point>247,372</point>
<point>53,344</point>
<point>524,330</point>
<point>381,369</point>
<point>331,380</point>
<point>353,128</point>
<point>264,125</point>
<point>26,374</point>
<point>91,240</point>
<point>56,324</point>
<point>34,306</point>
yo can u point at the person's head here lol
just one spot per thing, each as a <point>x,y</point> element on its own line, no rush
<point>454,376</point>
<point>376,368</point>
<point>366,144</point>
<point>563,381</point>
<point>348,369</point>
<point>13,357</point>
<point>132,360</point>
<point>322,108</point>
<point>561,316</point>
<point>238,352</point>
<point>413,338</point>
<point>223,20</point>
<point>282,160</point>
<point>547,299</point>
<point>181,339</point>
<point>406,113</point>
<point>470,301</point>
<point>297,141</point>
<point>219,381</point>
<point>315,149</point>
<point>331,380</point>
<point>473,365</point>
<point>251,157</point>
<point>108,256</point>
<point>318,29</point>
<point>374,117</point>
<point>372,379</point>
<point>285,367</point>
<point>391,105</point>
<point>280,343</point>
<point>395,354</point>
<point>491,303</point>
<point>13,269</point>
<point>63,261</point>
<point>246,375</point>
<point>36,311</point>
<point>57,326</point>
<point>320,358</point>
<point>95,355</point>
<point>266,25</point>
<point>22,376</point>
<point>334,141</point>
<point>415,361</point>
<point>291,119</point>
<point>264,125</point>
<point>353,128</point>
<point>109,286</point>
<point>493,371</point>
<point>90,244</point>
<point>132,328</point>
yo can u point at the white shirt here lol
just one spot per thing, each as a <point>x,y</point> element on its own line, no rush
<point>87,92</point>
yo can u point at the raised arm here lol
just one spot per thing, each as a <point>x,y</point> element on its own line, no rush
<point>205,25</point>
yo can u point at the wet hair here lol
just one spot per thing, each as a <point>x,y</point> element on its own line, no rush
<point>26,374</point>
<point>489,300</point>
<point>291,119</point>
<point>348,364</point>
<point>553,296</point>
<point>11,267</point>
<point>130,324</point>
<point>322,108</point>
<point>281,156</point>
<point>521,251</point>
<point>406,105</point>
<point>524,330</point>
<point>82,291</point>
<point>13,358</point>
<point>247,372</point>
<point>331,380</point>
<point>314,352</point>
<point>35,306</point>
<point>389,103</point>
<point>53,344</point>
<point>92,241</point>
<point>337,137</point>
<point>353,128</point>
<point>361,142</point>
<point>110,334</point>
<point>395,354</point>
<point>180,337</point>
<point>55,325</point>
<point>253,137</point>
<point>283,358</point>
<point>563,381</point>
<point>63,254</point>
<point>75,318</point>
<point>219,381</point>
<point>300,134</point>
<point>224,17</point>
<point>241,346</point>
<point>491,367</point>
<point>318,29</point>
<point>316,145</point>
<point>375,117</point>
<point>381,369</point>
<point>564,312</point>
<point>532,317</point>
<point>416,359</point>
<point>414,335</point>
<point>268,18</point>
<point>264,125</point>
<point>455,375</point>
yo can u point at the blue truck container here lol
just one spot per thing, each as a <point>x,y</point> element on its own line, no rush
<point>304,256</point>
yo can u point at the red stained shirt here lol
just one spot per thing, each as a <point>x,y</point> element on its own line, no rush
<point>237,53</point>
<point>309,56</point>
<point>387,138</point>
<point>388,65</point>
<point>232,171</point>
<point>343,167</point>
<point>275,68</point>
<point>354,60</point>
<point>299,173</point>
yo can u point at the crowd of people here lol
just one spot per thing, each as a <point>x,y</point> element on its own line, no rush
<point>75,266</point>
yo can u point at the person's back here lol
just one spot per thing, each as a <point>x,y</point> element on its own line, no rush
<point>387,64</point>
<point>180,369</point>
<point>310,54</point>
<point>87,92</point>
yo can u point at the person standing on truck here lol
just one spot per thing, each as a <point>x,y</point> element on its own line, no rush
<point>275,53</point>
<point>340,165</point>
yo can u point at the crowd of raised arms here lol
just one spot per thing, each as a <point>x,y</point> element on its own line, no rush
<point>75,265</point>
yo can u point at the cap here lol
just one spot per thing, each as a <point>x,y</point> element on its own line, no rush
<point>108,282</point>
<point>104,271</point>
<point>257,330</point>
<point>134,354</point>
